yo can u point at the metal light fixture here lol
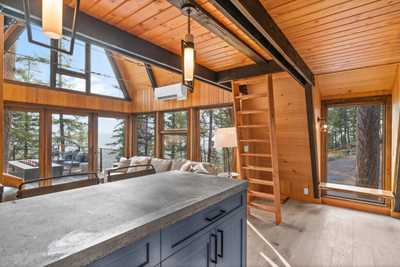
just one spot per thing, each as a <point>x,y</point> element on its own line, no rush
<point>52,23</point>
<point>188,51</point>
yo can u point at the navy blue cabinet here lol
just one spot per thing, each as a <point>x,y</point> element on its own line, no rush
<point>213,237</point>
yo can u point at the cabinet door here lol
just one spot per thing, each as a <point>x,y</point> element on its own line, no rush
<point>231,241</point>
<point>196,254</point>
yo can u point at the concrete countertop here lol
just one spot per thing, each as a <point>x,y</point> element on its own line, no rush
<point>73,228</point>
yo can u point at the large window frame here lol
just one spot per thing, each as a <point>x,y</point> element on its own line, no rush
<point>45,129</point>
<point>386,134</point>
<point>57,69</point>
<point>174,131</point>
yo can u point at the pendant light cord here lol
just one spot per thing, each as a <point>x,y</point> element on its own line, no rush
<point>189,10</point>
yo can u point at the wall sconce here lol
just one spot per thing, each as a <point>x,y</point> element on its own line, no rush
<point>52,23</point>
<point>323,125</point>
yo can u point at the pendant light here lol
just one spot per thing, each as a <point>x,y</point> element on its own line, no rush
<point>52,23</point>
<point>188,51</point>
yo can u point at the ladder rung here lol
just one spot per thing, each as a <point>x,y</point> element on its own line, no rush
<point>248,112</point>
<point>268,208</point>
<point>261,182</point>
<point>253,126</point>
<point>257,155</point>
<point>257,168</point>
<point>261,195</point>
<point>254,141</point>
<point>251,96</point>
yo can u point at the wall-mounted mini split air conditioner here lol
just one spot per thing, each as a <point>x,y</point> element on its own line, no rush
<point>176,91</point>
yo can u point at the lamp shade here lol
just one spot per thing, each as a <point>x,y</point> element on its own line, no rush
<point>225,137</point>
<point>52,18</point>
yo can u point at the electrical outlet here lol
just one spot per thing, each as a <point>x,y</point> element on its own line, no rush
<point>245,148</point>
<point>306,191</point>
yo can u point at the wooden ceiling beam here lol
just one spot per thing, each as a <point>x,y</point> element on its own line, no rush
<point>113,39</point>
<point>248,71</point>
<point>252,18</point>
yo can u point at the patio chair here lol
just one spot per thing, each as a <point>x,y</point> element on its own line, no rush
<point>23,192</point>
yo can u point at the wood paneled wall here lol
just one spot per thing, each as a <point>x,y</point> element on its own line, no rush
<point>374,81</point>
<point>395,118</point>
<point>203,95</point>
<point>29,94</point>
<point>292,134</point>
<point>293,143</point>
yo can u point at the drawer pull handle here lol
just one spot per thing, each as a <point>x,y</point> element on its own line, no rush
<point>215,260</point>
<point>147,256</point>
<point>221,253</point>
<point>221,213</point>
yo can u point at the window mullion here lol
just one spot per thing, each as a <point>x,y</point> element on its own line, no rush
<point>88,69</point>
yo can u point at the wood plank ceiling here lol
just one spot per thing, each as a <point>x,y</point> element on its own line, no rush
<point>163,24</point>
<point>330,35</point>
<point>338,35</point>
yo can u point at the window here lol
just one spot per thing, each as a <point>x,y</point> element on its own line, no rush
<point>27,62</point>
<point>355,145</point>
<point>21,139</point>
<point>145,134</point>
<point>104,79</point>
<point>210,120</point>
<point>69,144</point>
<point>111,141</point>
<point>174,135</point>
<point>30,63</point>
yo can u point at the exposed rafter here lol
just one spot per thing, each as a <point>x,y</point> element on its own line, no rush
<point>150,74</point>
<point>248,71</point>
<point>252,18</point>
<point>114,39</point>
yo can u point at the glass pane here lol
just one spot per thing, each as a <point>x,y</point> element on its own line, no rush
<point>74,62</point>
<point>69,144</point>
<point>103,79</point>
<point>21,139</point>
<point>355,145</point>
<point>27,62</point>
<point>176,120</point>
<point>210,120</point>
<point>111,141</point>
<point>146,133</point>
<point>175,146</point>
<point>71,83</point>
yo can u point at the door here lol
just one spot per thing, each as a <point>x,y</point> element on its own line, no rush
<point>196,254</point>
<point>231,241</point>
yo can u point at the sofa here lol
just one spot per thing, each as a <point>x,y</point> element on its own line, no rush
<point>140,163</point>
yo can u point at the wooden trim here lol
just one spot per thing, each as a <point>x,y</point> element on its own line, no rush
<point>356,205</point>
<point>357,189</point>
<point>11,180</point>
<point>159,123</point>
<point>12,34</point>
<point>312,139</point>
<point>194,134</point>
<point>93,142</point>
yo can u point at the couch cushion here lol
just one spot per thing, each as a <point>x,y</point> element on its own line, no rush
<point>186,166</point>
<point>138,161</point>
<point>161,165</point>
<point>123,162</point>
<point>177,164</point>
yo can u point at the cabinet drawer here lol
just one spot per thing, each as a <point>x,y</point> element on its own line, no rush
<point>182,233</point>
<point>145,252</point>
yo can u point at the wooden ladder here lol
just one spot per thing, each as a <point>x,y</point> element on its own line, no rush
<point>257,145</point>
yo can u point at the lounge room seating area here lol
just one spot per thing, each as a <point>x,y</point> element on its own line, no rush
<point>199,133</point>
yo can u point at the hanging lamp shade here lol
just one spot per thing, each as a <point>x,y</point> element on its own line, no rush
<point>188,59</point>
<point>52,18</point>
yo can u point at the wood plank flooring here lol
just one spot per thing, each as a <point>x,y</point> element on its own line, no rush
<point>320,235</point>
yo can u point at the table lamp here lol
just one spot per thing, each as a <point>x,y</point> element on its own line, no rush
<point>225,138</point>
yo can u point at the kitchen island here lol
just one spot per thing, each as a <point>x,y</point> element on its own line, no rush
<point>167,219</point>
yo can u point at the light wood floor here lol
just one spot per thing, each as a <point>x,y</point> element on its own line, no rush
<point>320,235</point>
